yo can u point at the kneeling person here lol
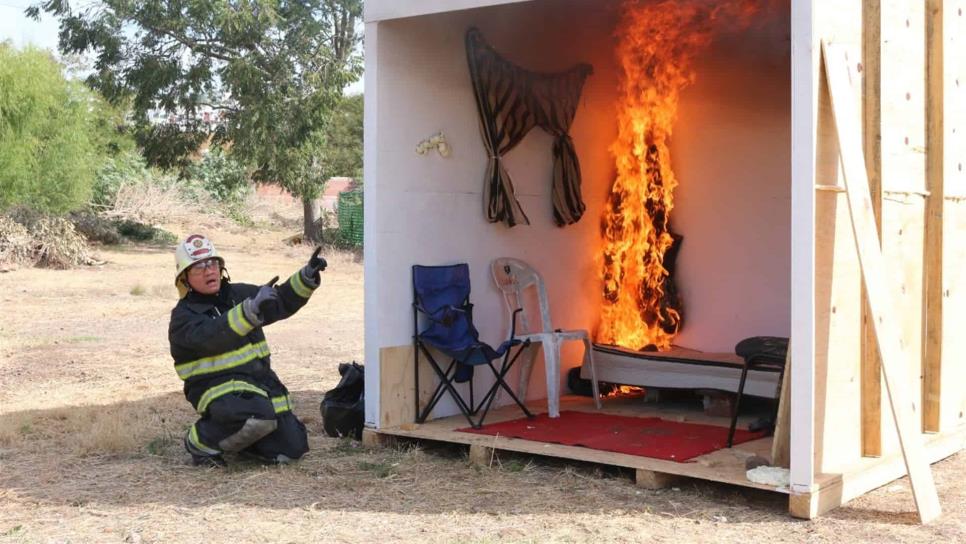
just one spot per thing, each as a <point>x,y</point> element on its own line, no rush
<point>220,352</point>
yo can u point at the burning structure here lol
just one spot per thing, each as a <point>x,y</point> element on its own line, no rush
<point>708,147</point>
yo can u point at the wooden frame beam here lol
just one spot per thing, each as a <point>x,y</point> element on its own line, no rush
<point>871,369</point>
<point>935,207</point>
<point>841,77</point>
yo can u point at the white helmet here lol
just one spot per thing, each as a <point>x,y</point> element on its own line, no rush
<point>194,248</point>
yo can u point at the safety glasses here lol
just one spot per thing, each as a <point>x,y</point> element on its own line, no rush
<point>201,266</point>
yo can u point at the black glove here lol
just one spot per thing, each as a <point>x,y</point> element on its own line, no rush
<point>264,300</point>
<point>316,264</point>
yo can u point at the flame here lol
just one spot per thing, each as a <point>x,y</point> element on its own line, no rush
<point>625,391</point>
<point>657,45</point>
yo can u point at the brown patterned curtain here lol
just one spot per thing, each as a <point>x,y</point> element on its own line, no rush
<point>511,101</point>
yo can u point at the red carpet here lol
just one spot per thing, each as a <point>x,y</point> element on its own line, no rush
<point>644,436</point>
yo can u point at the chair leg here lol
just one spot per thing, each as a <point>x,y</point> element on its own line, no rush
<point>551,354</point>
<point>437,395</point>
<point>499,383</point>
<point>445,383</point>
<point>734,415</point>
<point>589,358</point>
<point>526,370</point>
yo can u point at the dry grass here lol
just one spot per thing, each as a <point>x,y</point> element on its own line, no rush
<point>91,430</point>
<point>91,418</point>
<point>154,203</point>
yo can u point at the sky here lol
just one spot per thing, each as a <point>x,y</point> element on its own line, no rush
<point>21,30</point>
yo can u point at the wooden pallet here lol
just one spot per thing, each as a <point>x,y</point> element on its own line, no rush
<point>725,466</point>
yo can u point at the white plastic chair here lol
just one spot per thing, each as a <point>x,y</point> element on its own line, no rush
<point>513,277</point>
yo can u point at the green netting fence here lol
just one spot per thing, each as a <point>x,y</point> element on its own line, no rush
<point>350,218</point>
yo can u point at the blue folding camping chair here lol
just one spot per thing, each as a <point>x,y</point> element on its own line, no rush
<point>441,304</point>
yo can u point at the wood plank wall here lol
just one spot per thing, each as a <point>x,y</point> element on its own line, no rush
<point>953,164</point>
<point>838,280</point>
<point>914,122</point>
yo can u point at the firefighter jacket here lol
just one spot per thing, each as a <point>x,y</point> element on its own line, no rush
<point>217,351</point>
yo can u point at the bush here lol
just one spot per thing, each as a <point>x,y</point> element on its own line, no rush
<point>139,232</point>
<point>222,177</point>
<point>96,228</point>
<point>50,141</point>
<point>126,188</point>
<point>116,172</point>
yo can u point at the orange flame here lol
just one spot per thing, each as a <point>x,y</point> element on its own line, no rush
<point>657,44</point>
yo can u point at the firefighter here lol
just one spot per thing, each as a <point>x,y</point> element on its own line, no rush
<point>220,353</point>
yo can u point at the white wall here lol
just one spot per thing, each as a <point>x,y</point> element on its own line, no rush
<point>429,210</point>
<point>731,150</point>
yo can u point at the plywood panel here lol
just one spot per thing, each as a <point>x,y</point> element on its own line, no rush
<point>954,91</point>
<point>837,336</point>
<point>838,282</point>
<point>903,175</point>
<point>397,385</point>
<point>953,370</point>
<point>902,248</point>
<point>903,95</point>
<point>953,391</point>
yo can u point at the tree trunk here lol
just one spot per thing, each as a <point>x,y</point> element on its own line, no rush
<point>310,231</point>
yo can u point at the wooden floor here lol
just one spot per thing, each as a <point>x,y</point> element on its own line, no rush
<point>726,465</point>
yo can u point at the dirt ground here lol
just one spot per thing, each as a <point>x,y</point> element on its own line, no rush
<point>92,414</point>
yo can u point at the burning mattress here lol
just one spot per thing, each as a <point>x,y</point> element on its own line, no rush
<point>679,368</point>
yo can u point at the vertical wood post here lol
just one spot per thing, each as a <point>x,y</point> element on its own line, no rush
<point>780,444</point>
<point>871,373</point>
<point>935,203</point>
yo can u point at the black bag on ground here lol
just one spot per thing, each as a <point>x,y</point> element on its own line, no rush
<point>343,408</point>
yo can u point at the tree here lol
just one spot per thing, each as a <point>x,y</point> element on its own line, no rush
<point>54,133</point>
<point>340,145</point>
<point>274,71</point>
<point>333,151</point>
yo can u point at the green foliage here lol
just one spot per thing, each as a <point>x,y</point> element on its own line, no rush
<point>222,177</point>
<point>126,168</point>
<point>139,232</point>
<point>52,135</point>
<point>97,228</point>
<point>274,70</point>
<point>334,150</point>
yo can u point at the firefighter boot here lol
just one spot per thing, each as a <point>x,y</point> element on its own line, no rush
<point>201,459</point>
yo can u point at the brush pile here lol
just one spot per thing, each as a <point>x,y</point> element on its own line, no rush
<point>31,238</point>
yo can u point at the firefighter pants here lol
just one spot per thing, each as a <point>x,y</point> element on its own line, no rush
<point>227,414</point>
